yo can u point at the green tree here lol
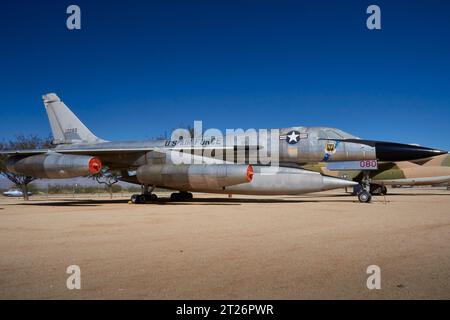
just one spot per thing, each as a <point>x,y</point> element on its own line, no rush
<point>108,178</point>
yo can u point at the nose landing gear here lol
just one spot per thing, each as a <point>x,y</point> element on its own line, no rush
<point>364,195</point>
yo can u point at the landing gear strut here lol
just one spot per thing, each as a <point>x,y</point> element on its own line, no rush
<point>181,196</point>
<point>364,195</point>
<point>145,196</point>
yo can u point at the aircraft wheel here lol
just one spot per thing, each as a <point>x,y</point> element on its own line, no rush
<point>151,197</point>
<point>364,197</point>
<point>142,198</point>
<point>135,198</point>
<point>175,196</point>
<point>187,196</point>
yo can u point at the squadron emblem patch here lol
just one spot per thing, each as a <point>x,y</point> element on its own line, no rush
<point>330,148</point>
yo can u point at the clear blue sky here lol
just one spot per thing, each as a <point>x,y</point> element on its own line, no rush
<point>139,68</point>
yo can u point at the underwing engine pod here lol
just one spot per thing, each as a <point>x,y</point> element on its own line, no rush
<point>54,165</point>
<point>194,176</point>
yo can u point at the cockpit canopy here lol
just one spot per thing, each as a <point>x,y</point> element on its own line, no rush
<point>333,133</point>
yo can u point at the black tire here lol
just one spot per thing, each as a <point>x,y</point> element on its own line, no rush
<point>151,197</point>
<point>135,199</point>
<point>364,197</point>
<point>175,196</point>
<point>142,198</point>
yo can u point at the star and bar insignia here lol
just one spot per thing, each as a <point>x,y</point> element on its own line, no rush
<point>294,136</point>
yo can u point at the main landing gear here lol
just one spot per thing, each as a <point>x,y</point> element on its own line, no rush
<point>148,196</point>
<point>145,196</point>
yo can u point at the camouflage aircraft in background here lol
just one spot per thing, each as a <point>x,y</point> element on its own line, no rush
<point>434,171</point>
<point>78,152</point>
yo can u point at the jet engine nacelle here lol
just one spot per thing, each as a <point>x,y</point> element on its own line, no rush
<point>54,166</point>
<point>192,176</point>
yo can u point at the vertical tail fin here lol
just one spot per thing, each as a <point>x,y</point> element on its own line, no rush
<point>66,127</point>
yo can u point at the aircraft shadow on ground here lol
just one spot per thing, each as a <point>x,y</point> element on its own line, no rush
<point>418,194</point>
<point>75,203</point>
<point>247,200</point>
<point>166,201</point>
<point>219,201</point>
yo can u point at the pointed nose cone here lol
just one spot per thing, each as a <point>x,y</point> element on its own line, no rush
<point>335,183</point>
<point>389,151</point>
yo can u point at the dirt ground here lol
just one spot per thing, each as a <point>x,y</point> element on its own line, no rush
<point>306,247</point>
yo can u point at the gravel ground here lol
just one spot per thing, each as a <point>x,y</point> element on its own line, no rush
<point>307,247</point>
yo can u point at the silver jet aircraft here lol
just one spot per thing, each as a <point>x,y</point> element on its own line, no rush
<point>204,164</point>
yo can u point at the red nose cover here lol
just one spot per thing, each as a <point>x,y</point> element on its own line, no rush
<point>95,165</point>
<point>249,173</point>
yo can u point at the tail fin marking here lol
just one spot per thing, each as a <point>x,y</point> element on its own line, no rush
<point>66,127</point>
